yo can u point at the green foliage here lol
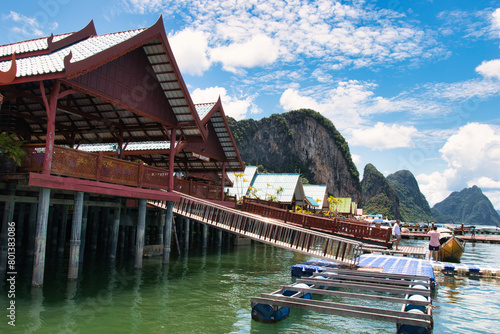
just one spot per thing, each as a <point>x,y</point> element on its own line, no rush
<point>380,204</point>
<point>11,147</point>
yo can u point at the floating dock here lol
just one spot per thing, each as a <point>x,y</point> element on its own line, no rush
<point>369,284</point>
<point>466,269</point>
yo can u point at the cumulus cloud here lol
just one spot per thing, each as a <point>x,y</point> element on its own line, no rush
<point>260,50</point>
<point>490,68</point>
<point>342,34</point>
<point>383,136</point>
<point>190,48</point>
<point>236,107</point>
<point>473,158</point>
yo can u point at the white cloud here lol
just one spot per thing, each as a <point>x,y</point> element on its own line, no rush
<point>233,106</point>
<point>490,68</point>
<point>190,48</point>
<point>473,158</point>
<point>260,50</point>
<point>495,19</point>
<point>383,136</point>
<point>245,34</point>
<point>24,25</point>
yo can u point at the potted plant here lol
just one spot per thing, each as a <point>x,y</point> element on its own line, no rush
<point>12,152</point>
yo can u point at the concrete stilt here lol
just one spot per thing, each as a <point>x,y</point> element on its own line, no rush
<point>141,227</point>
<point>76,232</point>
<point>167,238</point>
<point>95,229</point>
<point>32,228</point>
<point>62,229</point>
<point>187,224</point>
<point>219,237</point>
<point>85,214</point>
<point>20,225</point>
<point>205,235</point>
<point>41,237</point>
<point>8,216</point>
<point>114,231</point>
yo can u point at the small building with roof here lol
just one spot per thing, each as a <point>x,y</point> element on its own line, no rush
<point>345,207</point>
<point>284,188</point>
<point>317,195</point>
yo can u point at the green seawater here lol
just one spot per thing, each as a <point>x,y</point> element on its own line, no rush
<point>209,291</point>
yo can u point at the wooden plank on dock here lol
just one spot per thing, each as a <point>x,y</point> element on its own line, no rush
<point>336,293</point>
<point>370,287</point>
<point>404,318</point>
<point>388,281</point>
<point>415,251</point>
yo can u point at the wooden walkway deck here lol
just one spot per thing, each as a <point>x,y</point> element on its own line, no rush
<point>375,286</point>
<point>413,251</point>
<point>270,231</point>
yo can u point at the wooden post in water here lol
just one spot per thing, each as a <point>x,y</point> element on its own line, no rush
<point>62,229</point>
<point>205,235</point>
<point>8,216</point>
<point>115,230</point>
<point>76,232</point>
<point>161,223</point>
<point>219,237</point>
<point>141,227</point>
<point>85,214</point>
<point>187,222</point>
<point>41,237</point>
<point>32,228</point>
<point>20,225</point>
<point>167,230</point>
<point>95,229</point>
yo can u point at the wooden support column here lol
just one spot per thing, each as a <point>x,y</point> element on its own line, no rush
<point>95,229</point>
<point>50,108</point>
<point>20,226</point>
<point>171,161</point>
<point>41,237</point>
<point>187,223</point>
<point>32,228</point>
<point>76,232</point>
<point>8,216</point>
<point>205,235</point>
<point>85,214</point>
<point>115,231</point>
<point>62,229</point>
<point>167,230</point>
<point>160,225</point>
<point>141,227</point>
<point>219,237</point>
<point>223,181</point>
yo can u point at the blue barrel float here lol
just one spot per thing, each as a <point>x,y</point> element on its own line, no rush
<point>271,313</point>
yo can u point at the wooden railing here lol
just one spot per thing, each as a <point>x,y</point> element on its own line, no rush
<point>335,226</point>
<point>98,167</point>
<point>263,229</point>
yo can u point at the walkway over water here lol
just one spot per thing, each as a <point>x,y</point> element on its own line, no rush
<point>269,231</point>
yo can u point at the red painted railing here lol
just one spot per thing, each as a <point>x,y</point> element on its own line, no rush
<point>335,226</point>
<point>98,167</point>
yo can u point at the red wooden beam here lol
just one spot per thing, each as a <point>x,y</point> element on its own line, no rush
<point>73,184</point>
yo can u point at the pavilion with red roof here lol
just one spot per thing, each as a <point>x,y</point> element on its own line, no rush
<point>108,115</point>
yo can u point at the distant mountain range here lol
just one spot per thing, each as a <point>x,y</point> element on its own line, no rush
<point>469,206</point>
<point>303,141</point>
<point>398,196</point>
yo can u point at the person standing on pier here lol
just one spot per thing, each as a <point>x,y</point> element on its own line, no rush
<point>433,243</point>
<point>396,232</point>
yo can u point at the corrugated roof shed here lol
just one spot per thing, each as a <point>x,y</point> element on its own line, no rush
<point>317,193</point>
<point>283,186</point>
<point>241,183</point>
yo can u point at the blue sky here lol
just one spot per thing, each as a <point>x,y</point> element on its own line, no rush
<point>410,84</point>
